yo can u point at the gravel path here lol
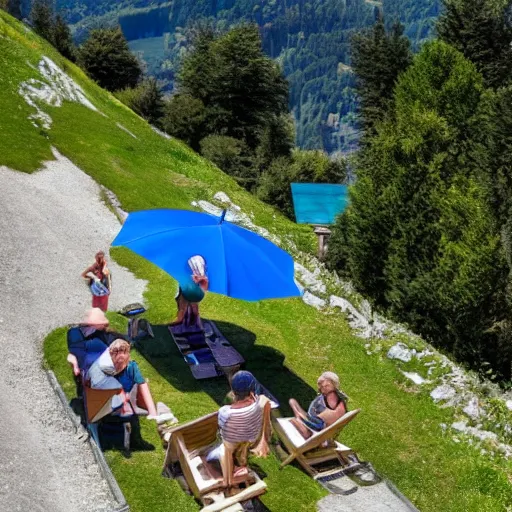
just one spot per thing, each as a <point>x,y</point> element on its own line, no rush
<point>51,224</point>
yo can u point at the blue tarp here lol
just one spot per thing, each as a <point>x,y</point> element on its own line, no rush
<point>318,203</point>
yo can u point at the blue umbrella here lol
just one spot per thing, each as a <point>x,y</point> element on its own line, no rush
<point>241,264</point>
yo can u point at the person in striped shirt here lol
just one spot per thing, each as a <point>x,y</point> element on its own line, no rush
<point>241,423</point>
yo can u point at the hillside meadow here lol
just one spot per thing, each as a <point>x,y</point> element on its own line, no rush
<point>286,343</point>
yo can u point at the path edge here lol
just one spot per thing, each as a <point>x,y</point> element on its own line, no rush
<point>122,504</point>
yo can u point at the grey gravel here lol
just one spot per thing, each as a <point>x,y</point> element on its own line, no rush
<point>51,224</point>
<point>375,498</point>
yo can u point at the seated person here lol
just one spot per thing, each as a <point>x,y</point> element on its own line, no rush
<point>243,423</point>
<point>330,405</point>
<point>88,340</point>
<point>114,370</point>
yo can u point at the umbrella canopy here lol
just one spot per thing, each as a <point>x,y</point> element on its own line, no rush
<point>240,263</point>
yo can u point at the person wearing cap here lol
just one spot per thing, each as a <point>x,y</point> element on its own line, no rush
<point>242,423</point>
<point>329,406</point>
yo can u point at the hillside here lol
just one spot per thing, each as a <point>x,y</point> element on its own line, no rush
<point>311,40</point>
<point>46,103</point>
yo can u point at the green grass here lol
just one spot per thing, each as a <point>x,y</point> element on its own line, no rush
<point>286,343</point>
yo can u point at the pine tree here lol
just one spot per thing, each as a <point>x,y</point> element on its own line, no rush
<point>378,59</point>
<point>420,237</point>
<point>239,86</point>
<point>63,40</point>
<point>482,31</point>
<point>107,59</point>
<point>42,20</point>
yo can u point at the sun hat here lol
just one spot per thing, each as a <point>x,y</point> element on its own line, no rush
<point>242,382</point>
<point>95,316</point>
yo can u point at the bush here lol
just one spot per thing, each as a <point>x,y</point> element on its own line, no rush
<point>230,155</point>
<point>184,118</point>
<point>145,99</point>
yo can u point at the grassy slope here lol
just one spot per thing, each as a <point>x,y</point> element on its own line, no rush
<point>286,343</point>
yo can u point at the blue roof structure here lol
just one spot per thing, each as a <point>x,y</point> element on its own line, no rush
<point>318,203</point>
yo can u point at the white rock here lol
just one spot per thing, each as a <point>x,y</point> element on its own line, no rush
<point>508,403</point>
<point>415,377</point>
<point>443,392</point>
<point>160,132</point>
<point>56,87</point>
<point>472,409</point>
<point>121,127</point>
<point>222,197</point>
<point>309,279</point>
<point>460,426</point>
<point>400,351</point>
<point>313,300</point>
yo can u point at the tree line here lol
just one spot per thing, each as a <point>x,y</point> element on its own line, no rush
<point>428,235</point>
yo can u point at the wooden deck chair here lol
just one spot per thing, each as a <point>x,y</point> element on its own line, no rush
<point>309,452</point>
<point>189,445</point>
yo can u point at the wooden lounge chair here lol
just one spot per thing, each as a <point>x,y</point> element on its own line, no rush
<point>310,452</point>
<point>217,490</point>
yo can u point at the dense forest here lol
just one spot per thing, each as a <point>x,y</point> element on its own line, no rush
<point>310,39</point>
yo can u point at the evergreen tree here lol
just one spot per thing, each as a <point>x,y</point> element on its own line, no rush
<point>42,18</point>
<point>419,236</point>
<point>378,59</point>
<point>239,86</point>
<point>107,59</point>
<point>63,40</point>
<point>482,31</point>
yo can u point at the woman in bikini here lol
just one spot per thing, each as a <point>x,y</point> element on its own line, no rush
<point>98,277</point>
<point>329,406</point>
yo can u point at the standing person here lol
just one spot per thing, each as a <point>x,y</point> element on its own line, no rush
<point>98,277</point>
<point>192,289</point>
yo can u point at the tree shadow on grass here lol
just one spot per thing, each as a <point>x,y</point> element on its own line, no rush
<point>266,364</point>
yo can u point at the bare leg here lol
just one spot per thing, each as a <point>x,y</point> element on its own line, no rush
<point>304,431</point>
<point>196,317</point>
<point>147,399</point>
<point>182,309</point>
<point>298,411</point>
<point>300,414</point>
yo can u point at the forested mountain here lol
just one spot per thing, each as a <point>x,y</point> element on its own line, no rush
<point>311,40</point>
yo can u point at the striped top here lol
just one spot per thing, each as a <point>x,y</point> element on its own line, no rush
<point>240,425</point>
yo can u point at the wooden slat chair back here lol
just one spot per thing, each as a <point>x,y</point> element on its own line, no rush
<point>188,445</point>
<point>309,452</point>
